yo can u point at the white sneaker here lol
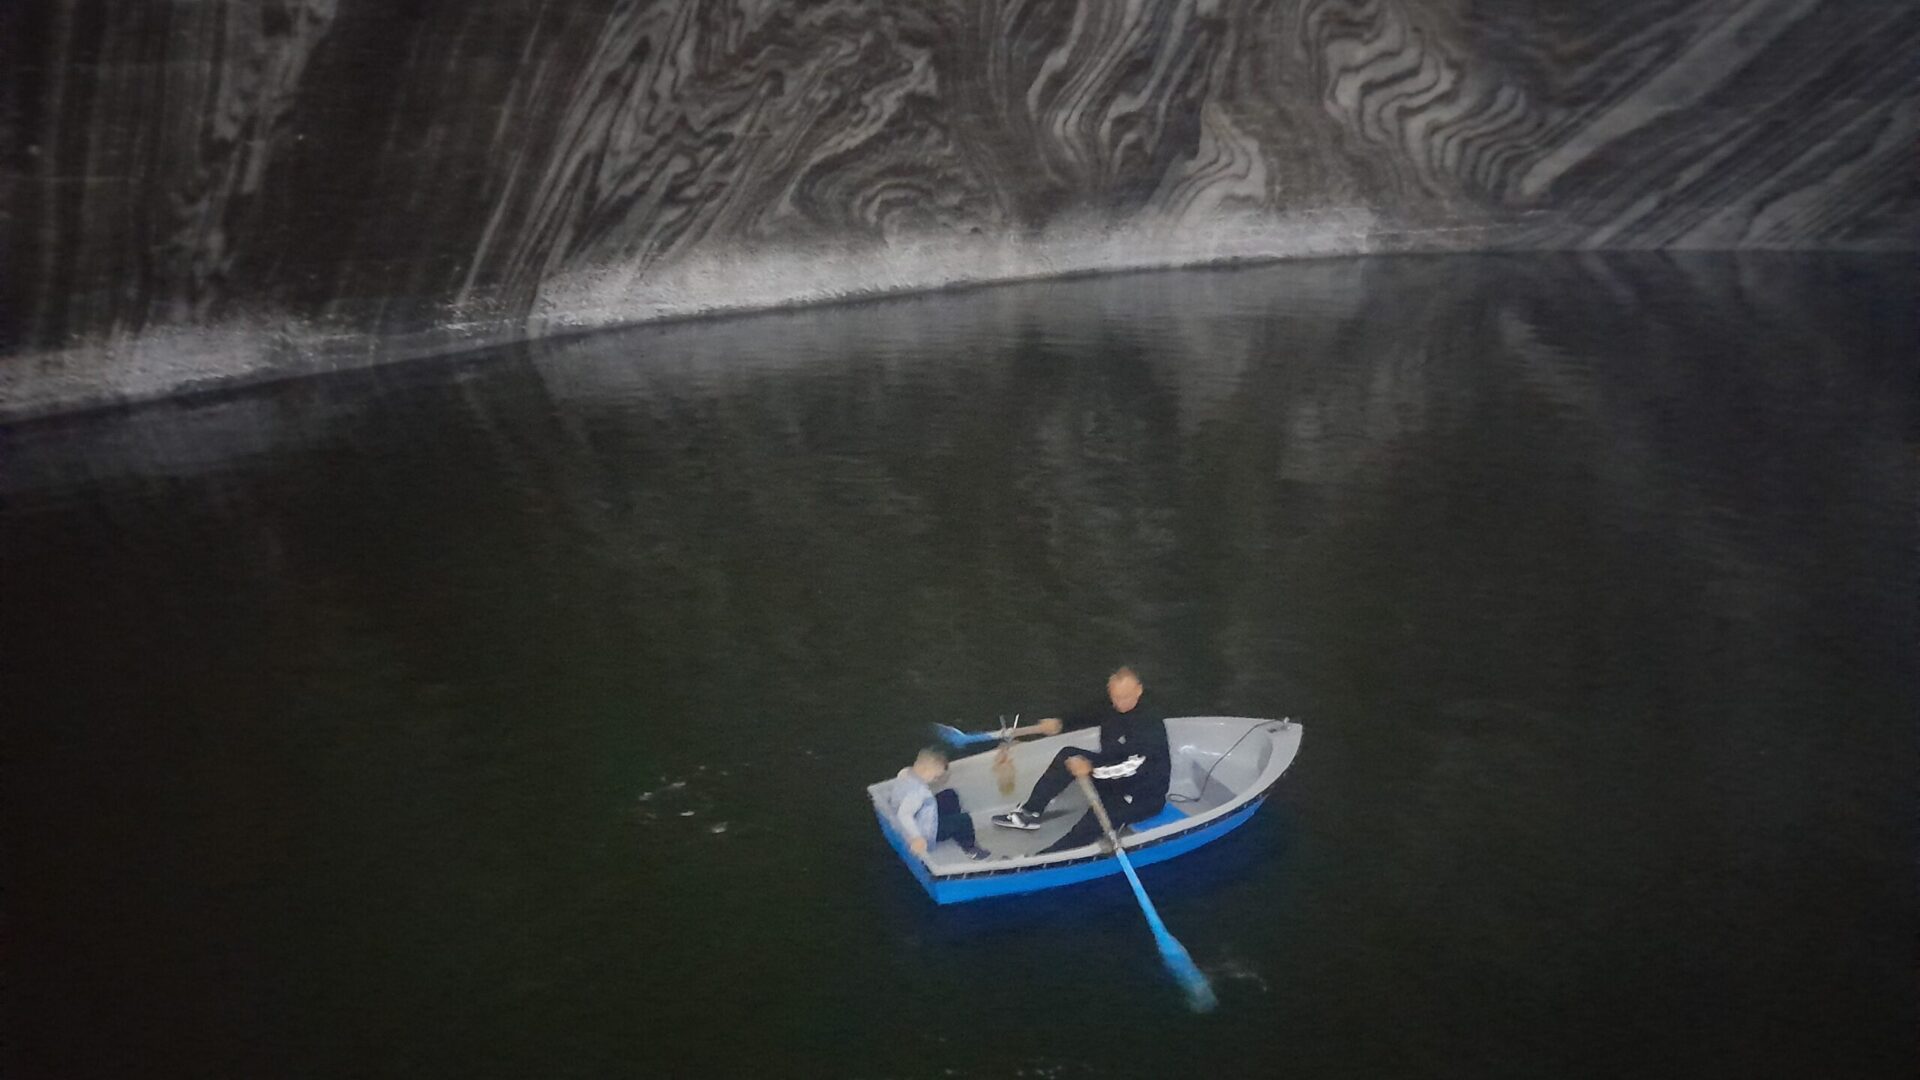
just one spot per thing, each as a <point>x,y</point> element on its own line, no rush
<point>1017,819</point>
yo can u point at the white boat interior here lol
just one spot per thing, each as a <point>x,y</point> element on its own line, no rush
<point>1219,763</point>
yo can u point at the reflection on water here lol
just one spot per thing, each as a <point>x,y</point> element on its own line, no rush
<point>511,715</point>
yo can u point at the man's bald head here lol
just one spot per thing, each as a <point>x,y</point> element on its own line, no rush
<point>1124,689</point>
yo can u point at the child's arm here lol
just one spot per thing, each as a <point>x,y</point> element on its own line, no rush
<point>909,807</point>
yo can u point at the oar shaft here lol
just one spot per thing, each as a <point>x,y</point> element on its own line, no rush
<point>1172,953</point>
<point>953,736</point>
<point>1120,853</point>
<point>1100,810</point>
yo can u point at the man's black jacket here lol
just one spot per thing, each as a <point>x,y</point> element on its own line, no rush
<point>1140,730</point>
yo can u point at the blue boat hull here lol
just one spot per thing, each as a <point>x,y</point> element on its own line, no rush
<point>960,888</point>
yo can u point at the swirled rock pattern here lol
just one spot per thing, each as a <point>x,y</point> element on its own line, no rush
<point>209,191</point>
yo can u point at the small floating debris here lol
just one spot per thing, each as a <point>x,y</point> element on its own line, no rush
<point>676,785</point>
<point>686,813</point>
<point>1235,969</point>
<point>717,827</point>
<point>645,796</point>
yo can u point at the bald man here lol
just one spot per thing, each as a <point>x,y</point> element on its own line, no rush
<point>1130,770</point>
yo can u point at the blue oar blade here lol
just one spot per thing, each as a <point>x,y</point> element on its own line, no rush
<point>1193,982</point>
<point>953,736</point>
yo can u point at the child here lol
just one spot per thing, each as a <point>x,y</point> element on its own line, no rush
<point>922,817</point>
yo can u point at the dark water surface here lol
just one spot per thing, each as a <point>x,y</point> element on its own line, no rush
<point>509,717</point>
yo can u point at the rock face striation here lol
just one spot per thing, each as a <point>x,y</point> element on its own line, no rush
<point>206,192</point>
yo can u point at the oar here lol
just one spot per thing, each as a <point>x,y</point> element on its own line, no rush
<point>953,736</point>
<point>1173,954</point>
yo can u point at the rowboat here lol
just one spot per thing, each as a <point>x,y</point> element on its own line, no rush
<point>1223,769</point>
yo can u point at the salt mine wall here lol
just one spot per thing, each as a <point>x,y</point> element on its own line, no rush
<point>198,193</point>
